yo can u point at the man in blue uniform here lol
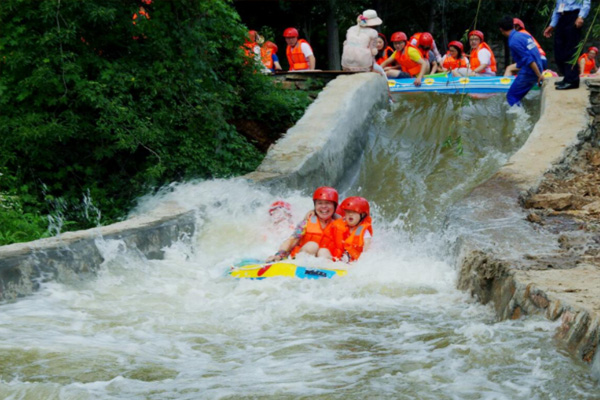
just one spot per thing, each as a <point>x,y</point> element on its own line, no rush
<point>528,59</point>
<point>567,20</point>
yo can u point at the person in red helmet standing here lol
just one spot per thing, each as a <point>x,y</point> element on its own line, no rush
<point>455,58</point>
<point>346,239</point>
<point>482,61</point>
<point>587,62</point>
<point>308,233</point>
<point>414,60</point>
<point>299,53</point>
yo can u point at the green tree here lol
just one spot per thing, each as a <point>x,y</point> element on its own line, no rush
<point>93,103</point>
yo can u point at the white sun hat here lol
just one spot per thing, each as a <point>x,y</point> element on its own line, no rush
<point>369,18</point>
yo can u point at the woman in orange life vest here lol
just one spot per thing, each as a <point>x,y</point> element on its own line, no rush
<point>308,233</point>
<point>346,239</point>
<point>299,53</point>
<point>520,27</point>
<point>383,50</point>
<point>269,56</point>
<point>587,61</point>
<point>481,60</point>
<point>413,60</point>
<point>455,57</point>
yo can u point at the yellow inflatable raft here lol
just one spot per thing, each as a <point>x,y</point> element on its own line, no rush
<point>254,269</point>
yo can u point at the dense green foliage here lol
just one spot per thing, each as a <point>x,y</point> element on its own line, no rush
<point>91,116</point>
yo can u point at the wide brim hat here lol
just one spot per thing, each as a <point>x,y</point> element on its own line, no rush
<point>370,18</point>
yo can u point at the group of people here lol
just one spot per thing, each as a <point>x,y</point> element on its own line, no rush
<point>299,53</point>
<point>366,49</point>
<point>332,230</point>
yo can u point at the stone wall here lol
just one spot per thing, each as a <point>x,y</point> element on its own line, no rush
<point>505,259</point>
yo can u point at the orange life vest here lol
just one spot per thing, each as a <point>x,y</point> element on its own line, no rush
<point>339,238</point>
<point>313,233</point>
<point>589,64</point>
<point>296,57</point>
<point>249,49</point>
<point>542,52</point>
<point>267,56</point>
<point>387,52</point>
<point>452,63</point>
<point>409,66</point>
<point>474,57</point>
<point>143,13</point>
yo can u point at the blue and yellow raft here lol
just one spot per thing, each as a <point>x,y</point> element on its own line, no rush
<point>254,269</point>
<point>453,85</point>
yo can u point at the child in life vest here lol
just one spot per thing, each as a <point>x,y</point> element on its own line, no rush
<point>346,239</point>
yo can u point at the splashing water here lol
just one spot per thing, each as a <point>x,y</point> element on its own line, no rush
<point>394,327</point>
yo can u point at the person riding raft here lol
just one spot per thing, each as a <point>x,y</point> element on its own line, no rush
<point>482,61</point>
<point>383,50</point>
<point>346,239</point>
<point>414,60</point>
<point>308,233</point>
<point>455,57</point>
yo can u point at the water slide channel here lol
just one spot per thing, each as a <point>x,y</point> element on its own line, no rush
<point>395,327</point>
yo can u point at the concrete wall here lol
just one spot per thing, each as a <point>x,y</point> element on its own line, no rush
<point>496,246</point>
<point>308,154</point>
<point>329,138</point>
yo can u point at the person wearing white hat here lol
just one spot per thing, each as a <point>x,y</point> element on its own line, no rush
<point>360,46</point>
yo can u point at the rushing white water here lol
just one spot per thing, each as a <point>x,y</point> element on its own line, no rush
<point>394,327</point>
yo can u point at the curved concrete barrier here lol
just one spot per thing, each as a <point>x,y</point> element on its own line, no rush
<point>308,155</point>
<point>496,243</point>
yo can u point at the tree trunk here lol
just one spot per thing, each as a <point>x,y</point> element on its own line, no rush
<point>333,38</point>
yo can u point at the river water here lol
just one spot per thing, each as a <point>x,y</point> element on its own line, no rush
<point>395,327</point>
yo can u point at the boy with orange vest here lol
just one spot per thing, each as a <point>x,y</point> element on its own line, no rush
<point>346,239</point>
<point>299,53</point>
<point>414,60</point>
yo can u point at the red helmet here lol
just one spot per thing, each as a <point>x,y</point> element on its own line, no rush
<point>271,45</point>
<point>456,44</point>
<point>148,2</point>
<point>426,40</point>
<point>593,49</point>
<point>479,34</point>
<point>290,32</point>
<point>252,35</point>
<point>326,193</point>
<point>356,204</point>
<point>399,37</point>
<point>517,22</point>
<point>279,204</point>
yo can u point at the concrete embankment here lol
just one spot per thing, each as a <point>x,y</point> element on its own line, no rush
<point>506,260</point>
<point>308,155</point>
